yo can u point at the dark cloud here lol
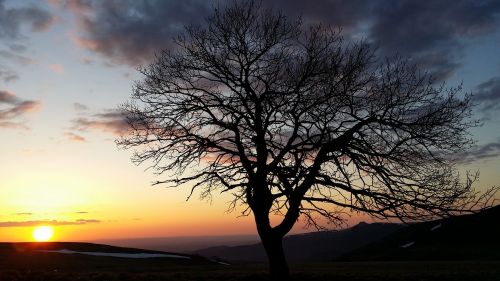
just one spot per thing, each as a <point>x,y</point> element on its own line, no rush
<point>347,14</point>
<point>480,153</point>
<point>131,31</point>
<point>46,222</point>
<point>12,19</point>
<point>82,212</point>
<point>431,32</point>
<point>488,94</point>
<point>12,108</point>
<point>8,98</point>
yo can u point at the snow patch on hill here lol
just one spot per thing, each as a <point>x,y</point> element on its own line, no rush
<point>118,255</point>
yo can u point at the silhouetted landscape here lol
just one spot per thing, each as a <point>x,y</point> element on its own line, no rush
<point>234,140</point>
<point>469,237</point>
<point>314,246</point>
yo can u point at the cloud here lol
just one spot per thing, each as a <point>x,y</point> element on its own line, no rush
<point>74,137</point>
<point>17,47</point>
<point>56,68</point>
<point>7,75</point>
<point>13,125</point>
<point>130,31</point>
<point>46,222</point>
<point>80,107</point>
<point>12,108</point>
<point>16,57</point>
<point>109,121</point>
<point>479,153</point>
<point>8,97</point>
<point>13,22</point>
<point>12,19</point>
<point>82,212</point>
<point>115,122</point>
<point>24,214</point>
<point>19,109</point>
<point>431,32</point>
<point>86,61</point>
<point>488,94</point>
<point>347,14</point>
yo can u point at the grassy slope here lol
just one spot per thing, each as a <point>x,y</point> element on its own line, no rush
<point>345,271</point>
<point>469,237</point>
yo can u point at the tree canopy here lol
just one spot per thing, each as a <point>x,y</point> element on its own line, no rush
<point>301,122</point>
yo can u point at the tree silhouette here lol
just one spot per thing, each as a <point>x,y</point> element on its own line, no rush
<point>297,122</point>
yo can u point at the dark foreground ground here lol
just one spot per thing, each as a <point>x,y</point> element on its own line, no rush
<point>345,271</point>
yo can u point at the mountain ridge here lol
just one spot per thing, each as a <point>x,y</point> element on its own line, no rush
<point>472,236</point>
<point>312,246</point>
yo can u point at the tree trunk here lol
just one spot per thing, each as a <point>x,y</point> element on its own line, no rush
<point>278,267</point>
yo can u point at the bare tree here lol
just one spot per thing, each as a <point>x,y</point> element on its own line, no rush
<point>299,123</point>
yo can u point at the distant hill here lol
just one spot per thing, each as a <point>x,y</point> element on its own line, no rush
<point>314,246</point>
<point>181,244</point>
<point>467,237</point>
<point>69,256</point>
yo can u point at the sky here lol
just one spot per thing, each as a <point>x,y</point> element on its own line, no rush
<point>66,66</point>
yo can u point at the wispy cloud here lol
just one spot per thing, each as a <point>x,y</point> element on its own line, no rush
<point>12,108</point>
<point>80,106</point>
<point>109,121</point>
<point>86,61</point>
<point>46,222</point>
<point>74,137</point>
<point>56,68</point>
<point>16,57</point>
<point>7,75</point>
<point>480,153</point>
<point>24,214</point>
<point>488,94</point>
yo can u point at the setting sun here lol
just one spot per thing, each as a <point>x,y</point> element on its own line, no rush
<point>43,233</point>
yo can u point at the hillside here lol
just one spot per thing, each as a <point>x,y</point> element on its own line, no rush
<point>314,246</point>
<point>467,237</point>
<point>69,256</point>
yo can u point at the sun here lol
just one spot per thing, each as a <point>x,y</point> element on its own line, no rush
<point>43,233</point>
